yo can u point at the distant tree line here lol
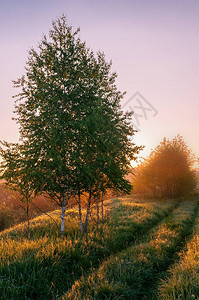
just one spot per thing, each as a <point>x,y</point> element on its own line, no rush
<point>75,141</point>
<point>167,172</point>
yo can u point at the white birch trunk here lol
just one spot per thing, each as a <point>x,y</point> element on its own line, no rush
<point>28,220</point>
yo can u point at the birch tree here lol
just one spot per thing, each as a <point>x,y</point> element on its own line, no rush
<point>70,120</point>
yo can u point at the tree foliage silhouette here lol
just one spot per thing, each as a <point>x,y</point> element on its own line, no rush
<point>72,129</point>
<point>167,171</point>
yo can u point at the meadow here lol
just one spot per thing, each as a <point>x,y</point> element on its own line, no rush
<point>144,249</point>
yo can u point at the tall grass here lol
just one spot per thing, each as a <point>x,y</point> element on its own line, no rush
<point>183,280</point>
<point>48,265</point>
<point>131,273</point>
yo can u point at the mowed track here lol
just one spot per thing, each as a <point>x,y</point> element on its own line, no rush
<point>182,280</point>
<point>47,266</point>
<point>124,258</point>
<point>135,272</point>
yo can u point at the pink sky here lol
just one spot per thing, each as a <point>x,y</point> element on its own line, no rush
<point>154,46</point>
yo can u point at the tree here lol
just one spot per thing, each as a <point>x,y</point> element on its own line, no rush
<point>14,171</point>
<point>71,126</point>
<point>168,170</point>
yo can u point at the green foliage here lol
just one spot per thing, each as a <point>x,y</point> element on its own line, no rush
<point>73,133</point>
<point>14,169</point>
<point>69,115</point>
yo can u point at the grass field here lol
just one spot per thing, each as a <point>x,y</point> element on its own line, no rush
<point>182,281</point>
<point>134,254</point>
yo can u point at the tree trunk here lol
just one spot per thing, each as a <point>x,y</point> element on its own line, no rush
<point>97,211</point>
<point>28,220</point>
<point>63,214</point>
<point>88,212</point>
<point>102,206</point>
<point>80,213</point>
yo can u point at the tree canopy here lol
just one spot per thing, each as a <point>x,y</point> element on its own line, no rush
<point>72,129</point>
<point>167,171</point>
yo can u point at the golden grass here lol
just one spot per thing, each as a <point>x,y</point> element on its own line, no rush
<point>47,265</point>
<point>129,274</point>
<point>183,280</point>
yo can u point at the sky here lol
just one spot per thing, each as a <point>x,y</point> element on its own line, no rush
<point>153,45</point>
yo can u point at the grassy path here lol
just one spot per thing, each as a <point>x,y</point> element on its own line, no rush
<point>131,274</point>
<point>182,281</point>
<point>46,266</point>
